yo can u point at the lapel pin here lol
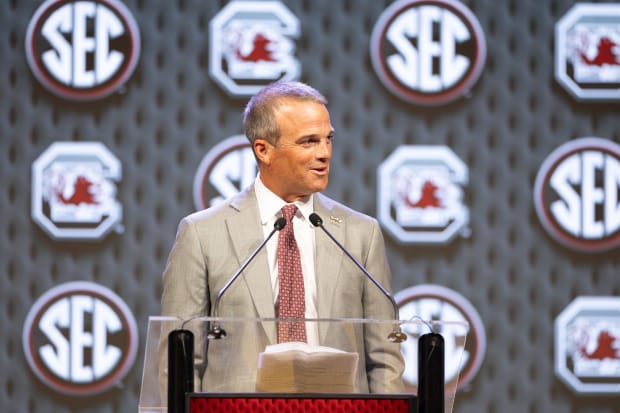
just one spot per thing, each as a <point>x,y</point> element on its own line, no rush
<point>335,219</point>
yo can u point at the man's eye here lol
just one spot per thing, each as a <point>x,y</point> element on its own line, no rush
<point>314,141</point>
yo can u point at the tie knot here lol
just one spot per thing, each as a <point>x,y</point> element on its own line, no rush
<point>289,211</point>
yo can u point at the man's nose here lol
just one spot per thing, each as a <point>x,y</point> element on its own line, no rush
<point>324,149</point>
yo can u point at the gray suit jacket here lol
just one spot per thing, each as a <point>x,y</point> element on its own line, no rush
<point>210,247</point>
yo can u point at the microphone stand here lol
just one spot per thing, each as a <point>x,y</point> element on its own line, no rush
<point>396,336</point>
<point>216,331</point>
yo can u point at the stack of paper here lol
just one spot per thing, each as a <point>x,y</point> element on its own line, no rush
<point>296,367</point>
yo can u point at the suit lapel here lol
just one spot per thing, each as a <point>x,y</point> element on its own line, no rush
<point>246,235</point>
<point>327,262</point>
<point>328,258</point>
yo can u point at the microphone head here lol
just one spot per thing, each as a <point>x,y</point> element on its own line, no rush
<point>280,223</point>
<point>315,219</point>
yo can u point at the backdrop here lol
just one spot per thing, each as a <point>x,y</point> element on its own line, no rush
<point>169,113</point>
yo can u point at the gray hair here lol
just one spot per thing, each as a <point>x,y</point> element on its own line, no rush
<point>259,114</point>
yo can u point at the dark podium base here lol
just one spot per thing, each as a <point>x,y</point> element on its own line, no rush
<point>299,403</point>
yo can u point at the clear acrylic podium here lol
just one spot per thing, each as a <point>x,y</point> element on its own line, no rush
<point>236,365</point>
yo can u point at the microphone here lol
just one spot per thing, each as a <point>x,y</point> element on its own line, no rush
<point>396,336</point>
<point>216,332</point>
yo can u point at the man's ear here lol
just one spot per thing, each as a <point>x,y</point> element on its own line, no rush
<point>262,150</point>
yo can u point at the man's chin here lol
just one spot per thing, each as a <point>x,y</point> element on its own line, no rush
<point>316,185</point>
<point>320,189</point>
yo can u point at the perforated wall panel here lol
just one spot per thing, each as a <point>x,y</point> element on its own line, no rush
<point>170,113</point>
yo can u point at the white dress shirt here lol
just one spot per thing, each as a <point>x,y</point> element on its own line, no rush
<point>269,206</point>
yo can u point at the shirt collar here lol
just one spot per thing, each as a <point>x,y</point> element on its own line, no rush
<point>269,204</point>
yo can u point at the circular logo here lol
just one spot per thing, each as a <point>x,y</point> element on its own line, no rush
<point>82,50</point>
<point>225,170</point>
<point>464,350</point>
<point>80,338</point>
<point>576,194</point>
<point>428,52</point>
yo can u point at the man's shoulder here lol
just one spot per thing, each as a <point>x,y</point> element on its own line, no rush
<point>339,210</point>
<point>222,210</point>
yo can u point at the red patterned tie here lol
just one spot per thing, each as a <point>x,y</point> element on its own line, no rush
<point>291,302</point>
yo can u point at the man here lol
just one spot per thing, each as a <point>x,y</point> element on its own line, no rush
<point>290,132</point>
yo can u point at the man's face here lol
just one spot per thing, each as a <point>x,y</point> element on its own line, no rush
<point>298,165</point>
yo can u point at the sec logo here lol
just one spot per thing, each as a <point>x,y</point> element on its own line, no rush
<point>82,50</point>
<point>576,194</point>
<point>224,171</point>
<point>80,338</point>
<point>428,52</point>
<point>462,329</point>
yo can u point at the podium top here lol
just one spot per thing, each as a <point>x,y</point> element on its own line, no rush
<point>230,356</point>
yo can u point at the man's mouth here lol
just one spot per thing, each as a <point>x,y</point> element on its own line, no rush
<point>320,170</point>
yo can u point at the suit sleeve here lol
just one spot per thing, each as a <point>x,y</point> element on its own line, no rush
<point>185,294</point>
<point>184,283</point>
<point>384,361</point>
